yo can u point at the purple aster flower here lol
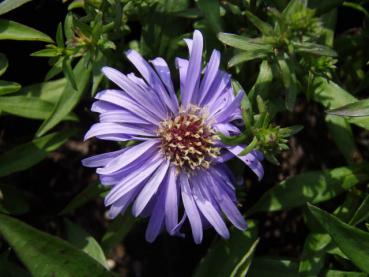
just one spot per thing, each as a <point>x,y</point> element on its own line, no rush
<point>178,158</point>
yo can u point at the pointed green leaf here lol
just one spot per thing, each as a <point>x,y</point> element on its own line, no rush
<point>68,72</point>
<point>247,56</point>
<point>29,107</point>
<point>15,31</point>
<point>69,98</point>
<point>3,63</point>
<point>338,273</point>
<point>46,255</point>
<point>362,212</point>
<point>231,257</point>
<point>352,241</point>
<point>245,43</point>
<point>313,48</point>
<point>360,108</point>
<point>47,53</point>
<point>85,242</point>
<point>60,36</point>
<point>264,28</point>
<point>8,87</point>
<point>314,186</point>
<point>47,91</point>
<point>27,155</point>
<point>8,5</point>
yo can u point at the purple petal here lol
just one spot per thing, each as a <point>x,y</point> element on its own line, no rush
<point>228,207</point>
<point>157,218</point>
<point>162,69</point>
<point>121,205</point>
<point>121,116</point>
<point>182,65</point>
<point>133,180</point>
<point>211,72</point>
<point>194,69</point>
<point>102,159</point>
<point>206,207</point>
<point>116,128</point>
<point>171,201</point>
<point>220,84</point>
<point>130,155</point>
<point>251,159</point>
<point>191,208</point>
<point>226,129</point>
<point>151,77</point>
<point>119,98</point>
<point>141,97</point>
<point>150,189</point>
<point>102,107</point>
<point>226,114</point>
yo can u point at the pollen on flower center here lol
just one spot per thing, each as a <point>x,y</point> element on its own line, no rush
<point>188,141</point>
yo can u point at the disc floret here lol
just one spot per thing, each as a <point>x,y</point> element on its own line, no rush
<point>188,140</point>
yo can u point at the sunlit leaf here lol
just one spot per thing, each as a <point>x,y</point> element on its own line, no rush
<point>8,5</point>
<point>8,87</point>
<point>247,56</point>
<point>15,31</point>
<point>3,63</point>
<point>68,99</point>
<point>245,43</point>
<point>29,107</point>
<point>352,241</point>
<point>27,155</point>
<point>46,255</point>
<point>314,187</point>
<point>85,242</point>
<point>360,108</point>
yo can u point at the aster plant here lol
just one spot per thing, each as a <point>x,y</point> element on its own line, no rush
<point>179,157</point>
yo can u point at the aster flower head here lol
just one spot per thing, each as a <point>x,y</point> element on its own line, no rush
<point>178,160</point>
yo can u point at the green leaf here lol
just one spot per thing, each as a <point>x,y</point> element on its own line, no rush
<point>85,242</point>
<point>263,81</point>
<point>89,193</point>
<point>360,108</point>
<point>291,130</point>
<point>47,91</point>
<point>68,72</point>
<point>247,56</point>
<point>332,96</point>
<point>27,155</point>
<point>46,255</point>
<point>343,136</point>
<point>313,48</point>
<point>314,186</point>
<point>264,28</point>
<point>229,257</point>
<point>265,266</point>
<point>117,231</point>
<point>47,53</point>
<point>13,201</point>
<point>29,107</point>
<point>69,98</point>
<point>353,242</point>
<point>313,255</point>
<point>338,273</point>
<point>3,63</point>
<point>60,36</point>
<point>8,5</point>
<point>245,43</point>
<point>289,81</point>
<point>8,87</point>
<point>362,212</point>
<point>15,31</point>
<point>211,11</point>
